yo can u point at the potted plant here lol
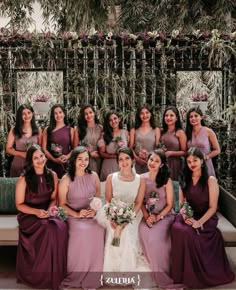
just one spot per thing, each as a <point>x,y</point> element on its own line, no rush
<point>41,104</point>
<point>200,100</point>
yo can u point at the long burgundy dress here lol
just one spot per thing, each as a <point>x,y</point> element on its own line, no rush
<point>61,137</point>
<point>171,142</point>
<point>86,238</point>
<point>42,248</point>
<point>199,260</point>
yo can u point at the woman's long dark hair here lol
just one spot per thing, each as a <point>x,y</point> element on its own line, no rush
<point>71,163</point>
<point>108,131</point>
<point>189,127</point>
<point>29,172</point>
<point>186,175</point>
<point>138,121</point>
<point>178,124</point>
<point>82,123</point>
<point>52,122</point>
<point>164,172</point>
<point>17,130</point>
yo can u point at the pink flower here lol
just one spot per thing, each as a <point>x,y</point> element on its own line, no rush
<point>96,203</point>
<point>120,144</point>
<point>182,211</point>
<point>53,210</point>
<point>152,201</point>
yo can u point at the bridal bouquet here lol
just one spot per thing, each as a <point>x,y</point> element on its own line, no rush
<point>121,213</point>
<point>152,202</point>
<point>58,212</point>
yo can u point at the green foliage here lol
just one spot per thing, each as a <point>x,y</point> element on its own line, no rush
<point>138,16</point>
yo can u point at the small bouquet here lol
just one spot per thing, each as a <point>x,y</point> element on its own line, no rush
<point>88,146</point>
<point>152,202</point>
<point>120,213</point>
<point>186,210</point>
<point>119,142</point>
<point>161,145</point>
<point>96,203</point>
<point>28,144</point>
<point>58,212</point>
<point>142,153</point>
<point>56,150</point>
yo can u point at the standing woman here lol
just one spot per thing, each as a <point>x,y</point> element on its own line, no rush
<point>143,137</point>
<point>174,140</point>
<point>42,247</point>
<point>88,132</point>
<point>158,217</point>
<point>58,140</point>
<point>86,237</point>
<point>198,254</point>
<point>112,139</point>
<point>202,137</point>
<point>22,135</point>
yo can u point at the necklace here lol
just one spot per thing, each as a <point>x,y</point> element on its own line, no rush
<point>126,175</point>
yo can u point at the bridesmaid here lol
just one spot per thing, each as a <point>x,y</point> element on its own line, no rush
<point>154,230</point>
<point>24,134</point>
<point>202,137</point>
<point>88,132</point>
<point>58,140</point>
<point>174,140</point>
<point>86,237</point>
<point>143,137</point>
<point>198,255</point>
<point>42,247</point>
<point>112,139</point>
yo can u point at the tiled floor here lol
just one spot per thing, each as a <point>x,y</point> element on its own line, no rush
<point>8,280</point>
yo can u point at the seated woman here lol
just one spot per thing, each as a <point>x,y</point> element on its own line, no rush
<point>24,134</point>
<point>198,255</point>
<point>42,248</point>
<point>86,237</point>
<point>128,187</point>
<point>154,230</point>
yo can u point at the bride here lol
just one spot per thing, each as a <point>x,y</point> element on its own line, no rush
<point>128,187</point>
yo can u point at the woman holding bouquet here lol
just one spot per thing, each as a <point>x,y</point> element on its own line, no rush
<point>198,255</point>
<point>86,237</point>
<point>87,134</point>
<point>174,140</point>
<point>154,230</point>
<point>111,140</point>
<point>42,247</point>
<point>24,134</point>
<point>128,188</point>
<point>143,137</point>
<point>58,140</point>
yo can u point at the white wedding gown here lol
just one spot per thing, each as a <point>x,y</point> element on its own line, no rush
<point>127,257</point>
